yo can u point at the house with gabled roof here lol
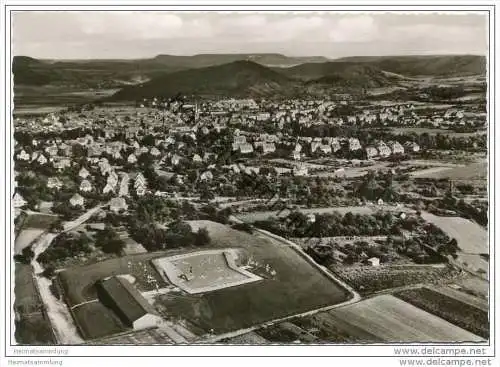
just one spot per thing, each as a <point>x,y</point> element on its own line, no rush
<point>83,173</point>
<point>18,201</point>
<point>109,188</point>
<point>41,159</point>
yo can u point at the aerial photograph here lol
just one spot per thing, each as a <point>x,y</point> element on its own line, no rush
<point>235,178</point>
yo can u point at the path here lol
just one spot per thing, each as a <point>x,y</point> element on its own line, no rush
<point>60,318</point>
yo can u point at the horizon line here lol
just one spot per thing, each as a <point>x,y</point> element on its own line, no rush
<point>250,53</point>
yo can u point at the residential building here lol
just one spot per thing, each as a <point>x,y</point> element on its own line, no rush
<point>85,186</point>
<point>268,148</point>
<point>383,149</point>
<point>206,176</point>
<point>411,147</point>
<point>396,147</point>
<point>118,204</point>
<point>54,183</point>
<point>371,152</point>
<point>108,189</point>
<point>76,200</point>
<point>83,173</point>
<point>132,158</point>
<point>18,201</point>
<point>23,156</point>
<point>300,170</point>
<point>246,148</point>
<point>354,144</point>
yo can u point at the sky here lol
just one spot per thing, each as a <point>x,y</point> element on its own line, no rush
<point>112,35</point>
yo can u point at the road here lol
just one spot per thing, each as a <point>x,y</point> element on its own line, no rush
<point>60,318</point>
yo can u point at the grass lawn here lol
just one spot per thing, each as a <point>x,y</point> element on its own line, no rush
<point>34,330</point>
<point>40,221</point>
<point>96,320</point>
<point>78,282</point>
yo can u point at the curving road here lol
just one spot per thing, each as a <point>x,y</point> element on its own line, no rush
<point>60,318</point>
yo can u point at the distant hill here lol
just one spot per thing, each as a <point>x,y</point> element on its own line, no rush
<point>204,60</point>
<point>341,74</point>
<point>113,73</point>
<point>439,65</point>
<point>238,78</point>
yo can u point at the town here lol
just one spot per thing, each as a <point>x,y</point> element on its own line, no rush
<point>377,204</point>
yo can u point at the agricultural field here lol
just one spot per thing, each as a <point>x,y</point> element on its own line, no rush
<point>466,298</point>
<point>471,237</point>
<point>474,285</point>
<point>143,337</point>
<point>369,280</point>
<point>32,323</point>
<point>451,309</point>
<point>290,285</point>
<point>473,171</point>
<point>321,327</point>
<point>393,320</point>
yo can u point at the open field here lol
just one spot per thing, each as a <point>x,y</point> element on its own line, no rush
<point>94,320</point>
<point>448,308</point>
<point>466,298</point>
<point>290,285</point>
<point>143,337</point>
<point>394,320</point>
<point>42,100</point>
<point>473,285</point>
<point>471,237</point>
<point>25,238</point>
<point>472,171</point>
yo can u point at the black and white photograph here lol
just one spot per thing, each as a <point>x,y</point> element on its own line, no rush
<point>257,177</point>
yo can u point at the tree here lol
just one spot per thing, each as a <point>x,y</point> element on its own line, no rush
<point>113,246</point>
<point>202,238</point>
<point>56,226</point>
